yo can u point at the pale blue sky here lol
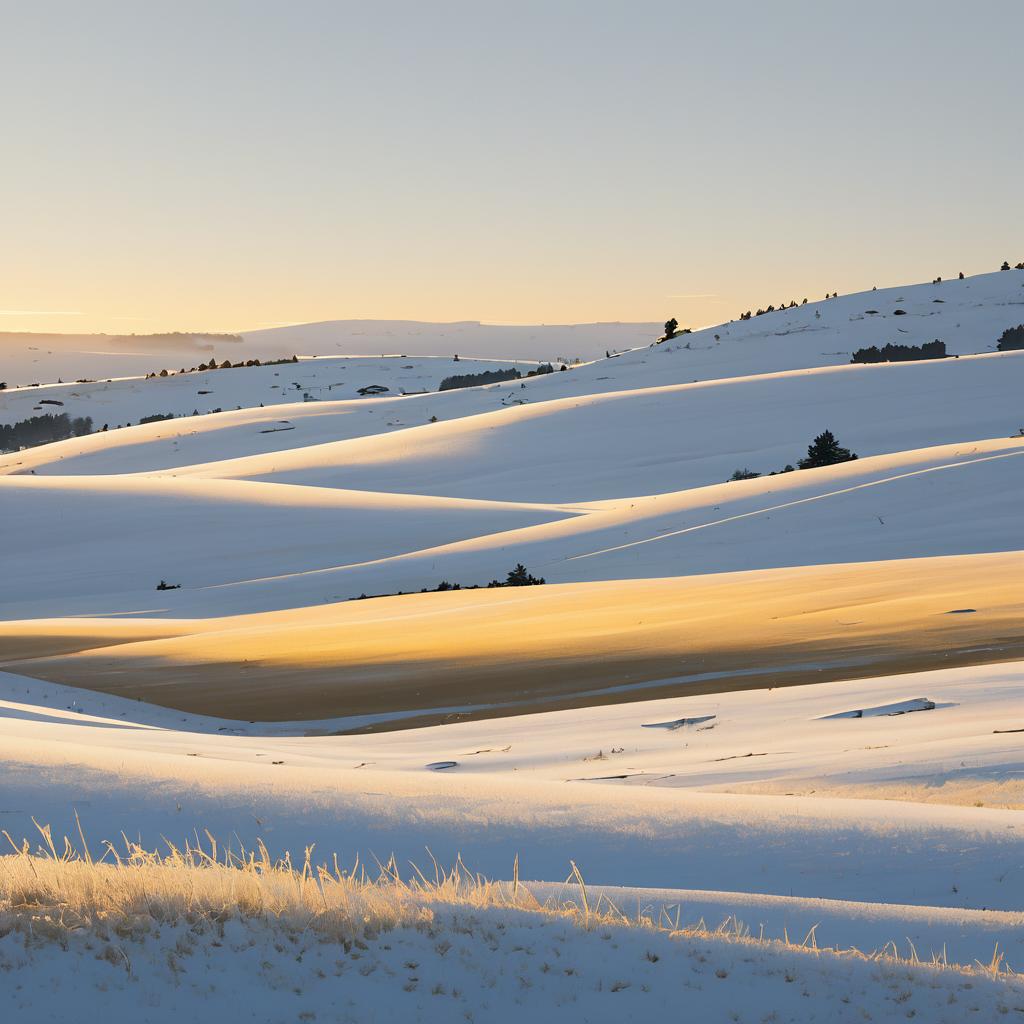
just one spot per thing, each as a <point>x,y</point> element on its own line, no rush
<point>223,165</point>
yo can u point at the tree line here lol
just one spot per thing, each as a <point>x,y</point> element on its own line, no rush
<point>37,430</point>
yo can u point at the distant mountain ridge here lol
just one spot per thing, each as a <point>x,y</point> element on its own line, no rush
<point>28,358</point>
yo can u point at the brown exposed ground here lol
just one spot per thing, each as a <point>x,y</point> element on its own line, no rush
<point>547,647</point>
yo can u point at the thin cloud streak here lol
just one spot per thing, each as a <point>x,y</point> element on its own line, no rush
<point>41,312</point>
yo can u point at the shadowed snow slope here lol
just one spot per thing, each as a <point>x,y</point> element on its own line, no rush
<point>99,545</point>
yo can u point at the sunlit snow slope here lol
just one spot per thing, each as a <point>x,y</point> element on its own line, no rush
<point>613,473</point>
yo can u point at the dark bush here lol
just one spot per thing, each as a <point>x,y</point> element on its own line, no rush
<point>1012,339</point>
<point>540,370</point>
<point>472,380</point>
<point>900,353</point>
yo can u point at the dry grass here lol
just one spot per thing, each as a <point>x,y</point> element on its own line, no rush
<point>57,889</point>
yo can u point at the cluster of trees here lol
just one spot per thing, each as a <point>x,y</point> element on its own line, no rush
<point>900,353</point>
<point>824,450</point>
<point>671,331</point>
<point>1012,339</point>
<point>49,427</point>
<point>472,380</point>
<point>517,577</point>
<point>42,430</point>
<point>782,305</point>
<point>225,365</point>
<point>835,295</point>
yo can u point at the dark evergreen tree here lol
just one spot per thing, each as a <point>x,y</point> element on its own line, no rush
<point>518,577</point>
<point>1012,339</point>
<point>670,327</point>
<point>825,451</point>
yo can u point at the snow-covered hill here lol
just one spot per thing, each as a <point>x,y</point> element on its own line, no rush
<point>968,315</point>
<point>27,359</point>
<point>614,470</point>
<point>788,700</point>
<point>125,401</point>
<point>561,342</point>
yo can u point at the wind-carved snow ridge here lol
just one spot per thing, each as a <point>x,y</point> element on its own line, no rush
<point>902,707</point>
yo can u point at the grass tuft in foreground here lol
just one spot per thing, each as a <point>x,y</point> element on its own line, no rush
<point>57,889</point>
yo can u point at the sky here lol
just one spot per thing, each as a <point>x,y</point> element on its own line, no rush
<point>223,166</point>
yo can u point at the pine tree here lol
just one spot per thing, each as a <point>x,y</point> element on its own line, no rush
<point>825,451</point>
<point>670,327</point>
<point>518,577</point>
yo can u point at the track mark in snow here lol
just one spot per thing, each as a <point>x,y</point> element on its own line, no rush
<point>610,778</point>
<point>767,753</point>
<point>793,504</point>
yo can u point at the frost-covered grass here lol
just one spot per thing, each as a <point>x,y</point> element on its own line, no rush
<point>57,889</point>
<point>143,934</point>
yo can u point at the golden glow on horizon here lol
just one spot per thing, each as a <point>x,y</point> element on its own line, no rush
<point>528,167</point>
<point>567,300</point>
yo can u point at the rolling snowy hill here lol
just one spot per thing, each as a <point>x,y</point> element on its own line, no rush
<point>790,701</point>
<point>27,359</point>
